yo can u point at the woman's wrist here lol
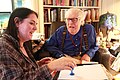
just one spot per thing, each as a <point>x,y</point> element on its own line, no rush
<point>49,67</point>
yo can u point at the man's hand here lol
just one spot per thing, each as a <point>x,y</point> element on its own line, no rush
<point>85,57</point>
<point>74,59</point>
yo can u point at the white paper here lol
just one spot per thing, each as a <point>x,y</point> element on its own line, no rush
<point>85,72</point>
<point>116,64</point>
<point>86,62</point>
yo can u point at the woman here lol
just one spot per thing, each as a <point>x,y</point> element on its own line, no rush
<point>16,60</point>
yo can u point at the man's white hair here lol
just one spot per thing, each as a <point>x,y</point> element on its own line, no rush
<point>78,12</point>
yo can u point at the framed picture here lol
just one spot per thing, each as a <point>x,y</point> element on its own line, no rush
<point>16,3</point>
<point>4,17</point>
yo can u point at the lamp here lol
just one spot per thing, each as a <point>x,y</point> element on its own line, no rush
<point>107,22</point>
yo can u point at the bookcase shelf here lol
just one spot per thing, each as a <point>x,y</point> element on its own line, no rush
<point>54,11</point>
<point>45,23</point>
<point>52,6</point>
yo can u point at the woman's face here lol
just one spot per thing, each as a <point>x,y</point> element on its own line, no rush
<point>27,27</point>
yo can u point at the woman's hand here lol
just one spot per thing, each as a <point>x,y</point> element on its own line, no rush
<point>45,60</point>
<point>62,63</point>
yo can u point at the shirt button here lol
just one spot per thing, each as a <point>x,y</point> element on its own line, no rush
<point>77,48</point>
<point>76,39</point>
<point>75,45</point>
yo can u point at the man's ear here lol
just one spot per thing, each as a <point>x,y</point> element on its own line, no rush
<point>16,20</point>
<point>84,15</point>
<point>83,18</point>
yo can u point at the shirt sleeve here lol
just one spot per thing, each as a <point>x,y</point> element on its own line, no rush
<point>53,44</point>
<point>93,47</point>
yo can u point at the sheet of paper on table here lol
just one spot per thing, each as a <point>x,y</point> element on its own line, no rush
<point>116,63</point>
<point>85,72</point>
<point>86,62</point>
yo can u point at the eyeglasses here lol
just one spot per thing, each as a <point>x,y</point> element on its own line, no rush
<point>74,20</point>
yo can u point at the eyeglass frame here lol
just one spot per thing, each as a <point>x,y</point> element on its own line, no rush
<point>74,20</point>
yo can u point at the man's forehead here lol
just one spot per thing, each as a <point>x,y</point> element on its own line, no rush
<point>72,15</point>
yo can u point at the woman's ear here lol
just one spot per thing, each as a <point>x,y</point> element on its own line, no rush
<point>16,20</point>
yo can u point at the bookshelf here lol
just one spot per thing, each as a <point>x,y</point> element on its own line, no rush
<point>54,11</point>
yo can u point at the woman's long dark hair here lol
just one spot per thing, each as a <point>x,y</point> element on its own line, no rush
<point>21,13</point>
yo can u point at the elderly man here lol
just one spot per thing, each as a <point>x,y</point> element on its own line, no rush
<point>79,40</point>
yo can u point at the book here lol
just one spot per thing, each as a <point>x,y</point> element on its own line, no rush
<point>45,15</point>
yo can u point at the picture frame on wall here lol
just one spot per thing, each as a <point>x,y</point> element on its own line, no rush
<point>16,3</point>
<point>21,3</point>
<point>4,18</point>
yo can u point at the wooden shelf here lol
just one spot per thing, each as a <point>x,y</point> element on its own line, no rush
<point>87,7</point>
<point>47,23</point>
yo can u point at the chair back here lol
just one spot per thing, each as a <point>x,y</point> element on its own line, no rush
<point>55,25</point>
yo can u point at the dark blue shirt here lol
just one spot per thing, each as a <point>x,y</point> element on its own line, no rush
<point>54,43</point>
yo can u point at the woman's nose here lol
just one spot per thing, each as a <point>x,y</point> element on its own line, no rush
<point>35,27</point>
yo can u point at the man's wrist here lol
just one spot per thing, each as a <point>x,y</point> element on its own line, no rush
<point>61,55</point>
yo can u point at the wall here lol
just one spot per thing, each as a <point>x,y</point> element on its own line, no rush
<point>6,6</point>
<point>36,6</point>
<point>111,6</point>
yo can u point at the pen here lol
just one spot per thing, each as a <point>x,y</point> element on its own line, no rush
<point>72,73</point>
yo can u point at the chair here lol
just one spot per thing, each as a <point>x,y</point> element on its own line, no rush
<point>56,25</point>
<point>104,57</point>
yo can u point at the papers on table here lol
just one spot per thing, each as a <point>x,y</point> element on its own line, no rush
<point>116,64</point>
<point>86,62</point>
<point>84,72</point>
